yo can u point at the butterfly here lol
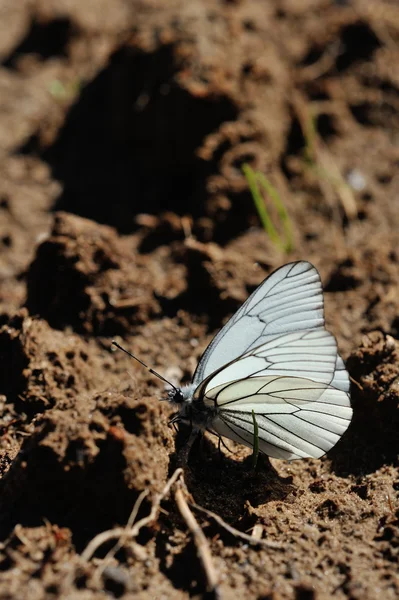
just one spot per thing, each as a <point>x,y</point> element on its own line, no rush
<point>273,362</point>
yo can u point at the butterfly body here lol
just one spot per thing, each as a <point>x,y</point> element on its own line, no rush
<point>274,360</point>
<point>191,410</point>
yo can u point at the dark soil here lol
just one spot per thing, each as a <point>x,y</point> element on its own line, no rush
<point>124,213</point>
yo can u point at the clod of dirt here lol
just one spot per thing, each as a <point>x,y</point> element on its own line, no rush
<point>41,368</point>
<point>83,276</point>
<point>373,437</point>
<point>227,274</point>
<point>84,466</point>
<point>77,456</point>
<point>375,366</point>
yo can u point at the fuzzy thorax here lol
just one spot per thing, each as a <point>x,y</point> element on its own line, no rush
<point>190,410</point>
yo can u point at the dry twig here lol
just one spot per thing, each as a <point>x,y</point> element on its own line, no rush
<point>119,532</point>
<point>122,534</point>
<point>201,543</point>
<point>132,529</point>
<point>253,541</point>
<point>140,553</point>
<point>356,383</point>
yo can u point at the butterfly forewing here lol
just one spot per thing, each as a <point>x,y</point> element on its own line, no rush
<point>290,299</point>
<point>311,354</point>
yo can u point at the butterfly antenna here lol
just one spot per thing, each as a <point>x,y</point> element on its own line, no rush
<point>144,365</point>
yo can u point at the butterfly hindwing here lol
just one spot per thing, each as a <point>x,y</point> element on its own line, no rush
<point>296,417</point>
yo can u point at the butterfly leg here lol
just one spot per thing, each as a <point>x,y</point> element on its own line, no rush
<point>221,442</point>
<point>175,419</point>
<point>184,452</point>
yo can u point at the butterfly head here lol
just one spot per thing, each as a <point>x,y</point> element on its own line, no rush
<point>181,395</point>
<point>175,396</point>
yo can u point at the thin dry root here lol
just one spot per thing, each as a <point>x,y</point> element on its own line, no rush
<point>356,383</point>
<point>253,541</point>
<point>201,544</point>
<point>131,531</point>
<point>123,534</point>
<point>139,552</point>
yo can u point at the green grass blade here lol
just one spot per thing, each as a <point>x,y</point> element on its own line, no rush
<point>254,179</point>
<point>259,202</point>
<point>255,452</point>
<point>288,245</point>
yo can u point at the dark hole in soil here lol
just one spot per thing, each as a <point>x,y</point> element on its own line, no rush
<point>395,327</point>
<point>317,487</point>
<point>294,146</point>
<point>359,43</point>
<point>367,196</point>
<point>361,112</point>
<point>360,490</point>
<point>249,25</point>
<point>325,126</point>
<point>67,285</point>
<point>45,39</point>
<point>280,13</point>
<point>131,419</point>
<point>4,202</point>
<point>295,138</point>
<point>328,509</point>
<point>247,68</point>
<point>6,240</point>
<point>369,114</point>
<point>129,144</point>
<point>81,581</point>
<point>304,593</point>
<point>13,362</point>
<point>314,54</point>
<point>384,178</point>
<point>316,93</point>
<point>344,277</point>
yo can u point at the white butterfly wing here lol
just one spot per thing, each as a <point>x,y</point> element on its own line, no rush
<point>275,358</point>
<point>289,300</point>
<point>341,377</point>
<point>296,417</point>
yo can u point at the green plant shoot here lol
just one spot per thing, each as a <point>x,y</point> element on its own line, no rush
<point>256,182</point>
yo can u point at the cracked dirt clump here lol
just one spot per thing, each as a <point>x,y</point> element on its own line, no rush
<point>87,463</point>
<point>81,276</point>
